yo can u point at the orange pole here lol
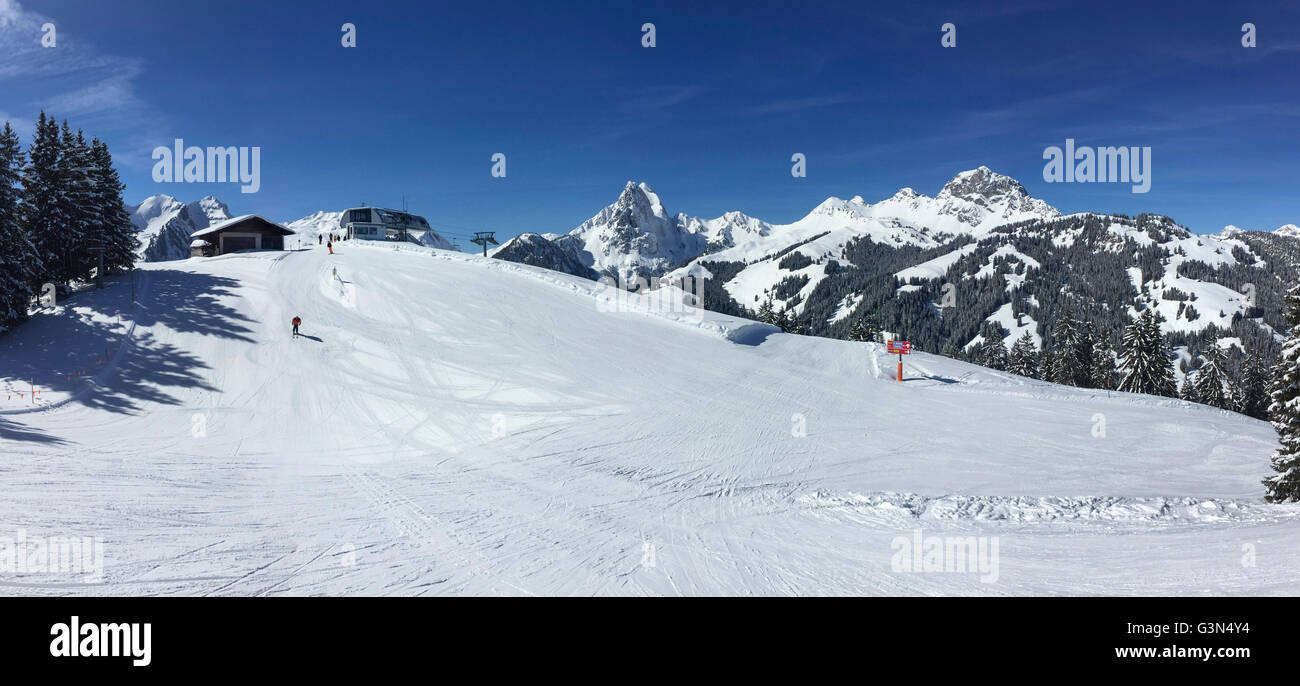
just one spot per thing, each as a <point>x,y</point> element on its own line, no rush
<point>900,367</point>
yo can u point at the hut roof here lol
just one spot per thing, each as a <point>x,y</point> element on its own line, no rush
<point>239,220</point>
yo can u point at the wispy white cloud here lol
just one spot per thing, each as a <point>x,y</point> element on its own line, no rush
<point>1228,53</point>
<point>801,104</point>
<point>654,98</point>
<point>9,13</point>
<point>94,90</point>
<point>1178,120</point>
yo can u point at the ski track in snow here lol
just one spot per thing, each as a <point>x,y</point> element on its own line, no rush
<point>454,425</point>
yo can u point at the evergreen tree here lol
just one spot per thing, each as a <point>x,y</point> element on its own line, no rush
<point>110,216</point>
<point>1236,397</point>
<point>1082,352</point>
<point>19,266</point>
<point>1210,378</point>
<point>77,236</point>
<point>766,312</point>
<point>1063,363</point>
<point>1284,411</point>
<point>992,352</point>
<point>1101,365</point>
<point>1163,367</point>
<point>1146,367</point>
<point>1254,388</point>
<point>1188,390</point>
<point>1024,357</point>
<point>44,207</point>
<point>1046,361</point>
<point>858,332</point>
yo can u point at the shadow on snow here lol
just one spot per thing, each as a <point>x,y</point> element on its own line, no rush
<point>81,355</point>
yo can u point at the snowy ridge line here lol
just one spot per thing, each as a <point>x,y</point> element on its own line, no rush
<point>128,339</point>
<point>734,329</point>
<point>1030,509</point>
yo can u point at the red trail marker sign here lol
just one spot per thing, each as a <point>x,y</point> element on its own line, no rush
<point>901,348</point>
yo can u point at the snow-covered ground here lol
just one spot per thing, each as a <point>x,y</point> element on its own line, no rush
<point>456,425</point>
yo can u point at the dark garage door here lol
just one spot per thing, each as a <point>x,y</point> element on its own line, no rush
<point>233,243</point>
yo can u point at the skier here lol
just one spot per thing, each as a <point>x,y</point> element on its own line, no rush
<point>296,321</point>
<point>330,245</point>
<point>319,239</point>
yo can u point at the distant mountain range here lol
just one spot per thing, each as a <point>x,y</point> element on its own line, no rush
<point>635,236</point>
<point>941,270</point>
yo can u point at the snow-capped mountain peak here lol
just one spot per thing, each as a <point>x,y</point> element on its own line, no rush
<point>165,224</point>
<point>833,207</point>
<point>1288,230</point>
<point>905,193</point>
<point>641,198</point>
<point>993,198</point>
<point>982,183</point>
<point>210,207</point>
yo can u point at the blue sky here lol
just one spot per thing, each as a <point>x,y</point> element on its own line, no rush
<point>710,116</point>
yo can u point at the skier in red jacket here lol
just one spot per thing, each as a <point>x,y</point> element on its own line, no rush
<point>296,321</point>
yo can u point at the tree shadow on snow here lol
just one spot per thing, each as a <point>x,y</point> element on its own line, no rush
<point>72,353</point>
<point>192,303</point>
<point>13,431</point>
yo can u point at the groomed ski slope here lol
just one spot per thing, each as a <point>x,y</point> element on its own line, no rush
<point>456,425</point>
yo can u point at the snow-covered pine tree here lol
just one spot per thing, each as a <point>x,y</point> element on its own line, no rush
<point>19,266</point>
<point>1046,359</point>
<point>1062,367</point>
<point>1284,410</point>
<point>1024,357</point>
<point>1163,380</point>
<point>1082,351</point>
<point>44,207</point>
<point>1133,362</point>
<point>1188,390</point>
<point>858,332</point>
<point>1211,376</point>
<point>111,217</point>
<point>1145,367</point>
<point>766,312</point>
<point>1254,388</point>
<point>78,235</point>
<point>1101,364</point>
<point>992,352</point>
<point>1236,399</point>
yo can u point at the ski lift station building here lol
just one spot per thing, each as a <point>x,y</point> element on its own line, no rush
<point>380,224</point>
<point>249,232</point>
